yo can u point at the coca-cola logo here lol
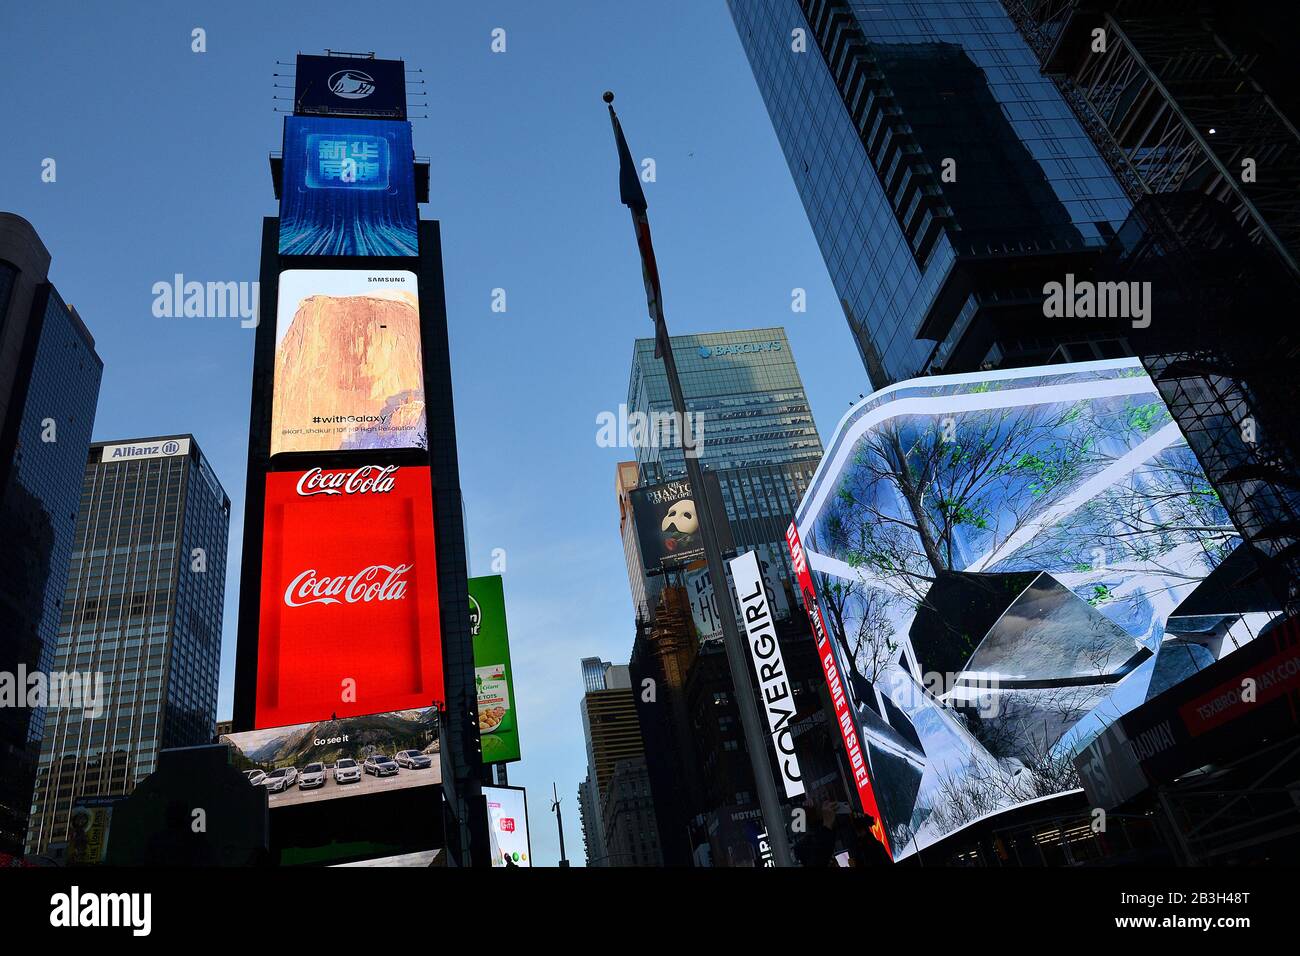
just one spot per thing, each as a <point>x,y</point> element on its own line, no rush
<point>379,582</point>
<point>376,479</point>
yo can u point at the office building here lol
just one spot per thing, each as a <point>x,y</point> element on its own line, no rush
<point>142,613</point>
<point>760,442</point>
<point>742,387</point>
<point>944,178</point>
<point>49,389</point>
<point>757,434</point>
<point>354,278</point>
<point>593,839</point>
<point>613,735</point>
<point>628,815</point>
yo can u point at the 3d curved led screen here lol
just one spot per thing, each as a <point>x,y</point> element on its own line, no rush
<point>996,558</point>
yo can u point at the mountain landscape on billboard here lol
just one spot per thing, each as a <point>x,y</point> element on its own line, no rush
<point>328,740</point>
<point>1000,558</point>
<point>348,375</point>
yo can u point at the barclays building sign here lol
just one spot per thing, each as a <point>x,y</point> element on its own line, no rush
<point>706,350</point>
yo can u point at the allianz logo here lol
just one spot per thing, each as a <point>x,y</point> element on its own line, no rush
<point>708,350</point>
<point>138,451</point>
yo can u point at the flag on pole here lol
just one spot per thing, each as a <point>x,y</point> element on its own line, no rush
<point>633,196</point>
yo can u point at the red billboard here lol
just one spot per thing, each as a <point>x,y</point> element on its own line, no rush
<point>831,671</point>
<point>349,613</point>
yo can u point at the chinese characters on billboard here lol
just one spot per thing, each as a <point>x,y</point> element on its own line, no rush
<point>349,606</point>
<point>348,188</point>
<point>497,713</point>
<point>997,559</point>
<point>348,372</point>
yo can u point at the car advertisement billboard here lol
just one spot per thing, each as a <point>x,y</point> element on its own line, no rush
<point>340,757</point>
<point>508,826</point>
<point>349,603</point>
<point>668,522</point>
<point>497,714</point>
<point>348,372</point>
<point>350,86</point>
<point>990,563</point>
<point>348,188</point>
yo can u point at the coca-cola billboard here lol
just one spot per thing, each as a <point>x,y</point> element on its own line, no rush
<point>349,605</point>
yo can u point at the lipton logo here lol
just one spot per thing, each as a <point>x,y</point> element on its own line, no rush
<point>376,479</point>
<point>379,582</point>
<point>351,84</point>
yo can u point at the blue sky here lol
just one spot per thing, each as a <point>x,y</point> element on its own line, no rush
<point>162,168</point>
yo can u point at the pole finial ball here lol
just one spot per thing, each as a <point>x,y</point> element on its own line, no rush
<point>609,96</point>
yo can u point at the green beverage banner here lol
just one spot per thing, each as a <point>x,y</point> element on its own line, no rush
<point>497,721</point>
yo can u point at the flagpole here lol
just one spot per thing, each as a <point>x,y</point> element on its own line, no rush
<point>756,741</point>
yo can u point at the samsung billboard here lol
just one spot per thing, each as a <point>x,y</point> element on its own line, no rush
<point>990,562</point>
<point>348,373</point>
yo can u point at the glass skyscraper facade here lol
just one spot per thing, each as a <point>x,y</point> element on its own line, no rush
<point>944,177</point>
<point>757,431</point>
<point>142,609</point>
<point>742,386</point>
<point>49,389</point>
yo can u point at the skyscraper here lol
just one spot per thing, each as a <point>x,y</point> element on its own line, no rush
<point>944,178</point>
<point>742,387</point>
<point>757,431</point>
<point>760,443</point>
<point>613,737</point>
<point>142,611</point>
<point>353,378</point>
<point>49,389</point>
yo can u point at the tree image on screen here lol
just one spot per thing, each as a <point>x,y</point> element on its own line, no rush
<point>998,563</point>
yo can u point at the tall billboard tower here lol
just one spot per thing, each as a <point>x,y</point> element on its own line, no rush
<point>353,586</point>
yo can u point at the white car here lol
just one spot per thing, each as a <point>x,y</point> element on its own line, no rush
<point>313,775</point>
<point>381,765</point>
<point>414,760</point>
<point>255,777</point>
<point>280,779</point>
<point>347,771</point>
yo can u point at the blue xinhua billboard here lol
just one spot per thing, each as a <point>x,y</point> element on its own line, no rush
<point>349,188</point>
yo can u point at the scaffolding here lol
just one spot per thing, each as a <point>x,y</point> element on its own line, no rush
<point>1177,115</point>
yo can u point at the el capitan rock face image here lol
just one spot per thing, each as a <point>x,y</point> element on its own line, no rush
<point>348,374</point>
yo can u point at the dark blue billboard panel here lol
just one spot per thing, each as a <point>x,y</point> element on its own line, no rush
<point>350,86</point>
<point>349,188</point>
